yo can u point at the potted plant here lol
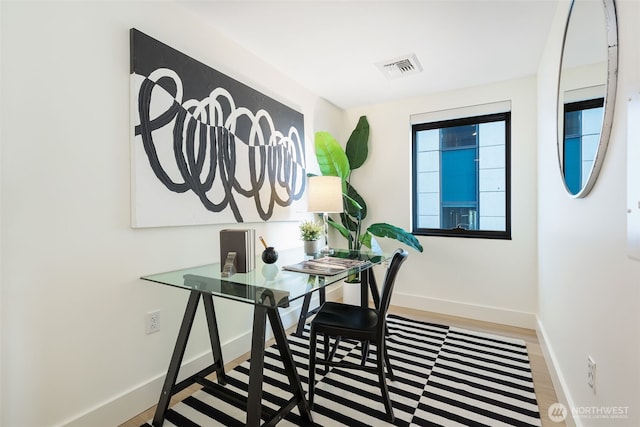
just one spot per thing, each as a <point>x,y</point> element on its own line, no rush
<point>336,161</point>
<point>310,233</point>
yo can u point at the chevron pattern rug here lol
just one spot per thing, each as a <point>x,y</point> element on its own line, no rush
<point>444,376</point>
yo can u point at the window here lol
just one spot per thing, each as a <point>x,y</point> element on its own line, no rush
<point>582,124</point>
<point>461,177</point>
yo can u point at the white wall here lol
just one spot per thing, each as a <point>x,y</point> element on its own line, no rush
<point>589,290</point>
<point>1,275</point>
<point>73,307</point>
<point>493,280</point>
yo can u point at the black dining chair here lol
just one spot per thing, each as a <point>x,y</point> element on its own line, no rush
<point>364,324</point>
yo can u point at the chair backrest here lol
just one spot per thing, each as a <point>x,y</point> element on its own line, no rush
<point>399,256</point>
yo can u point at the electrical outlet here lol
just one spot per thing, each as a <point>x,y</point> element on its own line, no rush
<point>153,321</point>
<point>591,373</point>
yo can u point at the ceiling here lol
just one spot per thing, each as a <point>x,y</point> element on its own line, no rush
<point>331,47</point>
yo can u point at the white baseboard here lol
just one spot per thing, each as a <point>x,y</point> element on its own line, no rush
<point>470,311</point>
<point>139,399</point>
<point>559,384</point>
<point>132,402</point>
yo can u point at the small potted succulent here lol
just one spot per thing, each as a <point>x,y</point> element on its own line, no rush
<point>311,233</point>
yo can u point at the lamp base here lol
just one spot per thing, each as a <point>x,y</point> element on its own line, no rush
<point>326,251</point>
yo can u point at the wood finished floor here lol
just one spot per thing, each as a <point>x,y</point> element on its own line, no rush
<point>545,392</point>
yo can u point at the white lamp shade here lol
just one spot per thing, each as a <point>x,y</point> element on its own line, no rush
<point>324,194</point>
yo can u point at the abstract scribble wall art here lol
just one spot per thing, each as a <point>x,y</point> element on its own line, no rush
<point>206,148</point>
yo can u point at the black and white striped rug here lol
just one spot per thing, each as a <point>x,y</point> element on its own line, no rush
<point>444,376</point>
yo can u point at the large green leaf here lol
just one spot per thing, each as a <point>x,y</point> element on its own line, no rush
<point>391,231</point>
<point>357,209</point>
<point>357,148</point>
<point>365,240</point>
<point>341,229</point>
<point>331,157</point>
<point>349,200</point>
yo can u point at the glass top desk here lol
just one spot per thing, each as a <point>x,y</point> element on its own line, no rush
<point>267,288</point>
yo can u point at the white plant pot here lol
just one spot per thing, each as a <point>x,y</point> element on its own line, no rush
<point>351,293</point>
<point>311,247</point>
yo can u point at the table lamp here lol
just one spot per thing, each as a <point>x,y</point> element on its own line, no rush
<point>325,197</point>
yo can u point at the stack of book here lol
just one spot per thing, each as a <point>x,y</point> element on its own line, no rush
<point>243,243</point>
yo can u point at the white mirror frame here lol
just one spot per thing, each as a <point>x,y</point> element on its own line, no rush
<point>609,99</point>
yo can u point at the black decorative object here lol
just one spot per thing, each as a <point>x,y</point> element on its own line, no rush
<point>269,255</point>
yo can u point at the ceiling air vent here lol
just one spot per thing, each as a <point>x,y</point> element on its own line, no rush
<point>400,67</point>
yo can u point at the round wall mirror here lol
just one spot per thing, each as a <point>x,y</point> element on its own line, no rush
<point>586,92</point>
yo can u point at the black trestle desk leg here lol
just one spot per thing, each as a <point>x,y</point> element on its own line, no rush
<point>214,337</point>
<point>304,313</point>
<point>176,358</point>
<point>364,288</point>
<point>375,293</point>
<point>256,366</point>
<point>289,364</point>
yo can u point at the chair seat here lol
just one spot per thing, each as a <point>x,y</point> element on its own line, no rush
<point>346,317</point>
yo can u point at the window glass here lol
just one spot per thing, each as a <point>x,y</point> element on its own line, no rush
<point>582,122</point>
<point>461,177</point>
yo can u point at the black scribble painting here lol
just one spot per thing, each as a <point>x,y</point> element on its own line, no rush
<point>206,148</point>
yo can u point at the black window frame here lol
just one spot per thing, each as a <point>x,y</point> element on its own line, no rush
<point>458,231</point>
